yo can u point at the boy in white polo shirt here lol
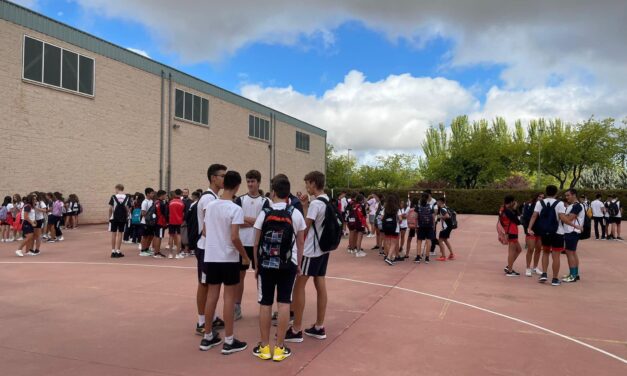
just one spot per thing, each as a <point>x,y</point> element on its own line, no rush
<point>223,248</point>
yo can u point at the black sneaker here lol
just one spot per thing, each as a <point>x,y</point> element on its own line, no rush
<point>388,261</point>
<point>512,273</point>
<point>206,344</point>
<point>36,251</point>
<point>200,329</point>
<point>399,258</point>
<point>114,255</point>
<point>417,259</point>
<point>236,346</point>
<point>555,282</point>
<point>381,253</point>
<point>316,333</point>
<point>427,260</point>
<point>577,277</point>
<point>543,278</point>
<point>275,318</point>
<point>218,323</point>
<point>120,254</point>
<point>375,247</point>
<point>290,336</point>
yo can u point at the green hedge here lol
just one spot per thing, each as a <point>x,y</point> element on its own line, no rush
<point>487,201</point>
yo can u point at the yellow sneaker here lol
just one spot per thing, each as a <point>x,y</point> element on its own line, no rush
<point>281,353</point>
<point>262,352</point>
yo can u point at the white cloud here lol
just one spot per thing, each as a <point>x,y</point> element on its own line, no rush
<point>60,14</point>
<point>138,51</point>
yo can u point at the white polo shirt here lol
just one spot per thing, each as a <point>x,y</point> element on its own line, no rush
<point>315,212</point>
<point>219,216</point>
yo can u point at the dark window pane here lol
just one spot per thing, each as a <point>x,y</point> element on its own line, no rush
<point>205,112</point>
<point>178,103</point>
<point>86,79</point>
<point>267,130</point>
<point>251,125</point>
<point>33,52</point>
<point>196,109</point>
<point>189,99</point>
<point>257,127</point>
<point>306,142</point>
<point>52,65</point>
<point>70,69</point>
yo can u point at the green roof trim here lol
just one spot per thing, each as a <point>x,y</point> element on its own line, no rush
<point>35,21</point>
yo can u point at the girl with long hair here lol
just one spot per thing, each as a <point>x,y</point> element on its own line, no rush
<point>6,220</point>
<point>390,228</point>
<point>28,226</point>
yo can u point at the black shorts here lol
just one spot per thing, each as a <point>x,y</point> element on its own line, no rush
<point>146,230</point>
<point>174,229</point>
<point>220,273</point>
<point>424,233</point>
<point>412,233</point>
<point>200,260</point>
<point>616,220</point>
<point>281,280</point>
<point>159,232</point>
<point>40,223</point>
<point>446,233</point>
<point>553,242</point>
<point>249,252</point>
<point>315,266</point>
<point>53,220</point>
<point>116,226</point>
<point>27,228</point>
<point>570,241</point>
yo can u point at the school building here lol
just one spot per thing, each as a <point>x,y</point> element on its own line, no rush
<point>80,114</point>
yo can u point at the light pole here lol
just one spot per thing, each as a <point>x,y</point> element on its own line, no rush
<point>540,130</point>
<point>348,152</point>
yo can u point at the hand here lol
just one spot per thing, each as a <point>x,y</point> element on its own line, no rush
<point>304,199</point>
<point>530,231</point>
<point>256,273</point>
<point>246,261</point>
<point>299,271</point>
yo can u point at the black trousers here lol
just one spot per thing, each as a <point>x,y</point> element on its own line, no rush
<point>597,221</point>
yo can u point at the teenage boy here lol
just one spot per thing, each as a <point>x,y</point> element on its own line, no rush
<point>598,211</point>
<point>314,263</point>
<point>252,204</point>
<point>215,175</point>
<point>147,232</point>
<point>434,239</point>
<point>551,232</point>
<point>176,211</point>
<point>614,211</point>
<point>572,223</point>
<point>510,222</point>
<point>191,218</point>
<point>187,201</point>
<point>373,205</point>
<point>161,224</point>
<point>118,215</point>
<point>274,273</point>
<point>221,263</point>
<point>445,234</point>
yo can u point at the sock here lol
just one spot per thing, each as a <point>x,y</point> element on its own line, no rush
<point>113,251</point>
<point>318,327</point>
<point>576,271</point>
<point>209,336</point>
<point>572,271</point>
<point>201,319</point>
<point>228,340</point>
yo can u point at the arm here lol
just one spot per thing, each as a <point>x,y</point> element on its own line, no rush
<point>308,223</point>
<point>532,222</point>
<point>569,219</point>
<point>256,251</point>
<point>300,246</point>
<point>248,222</point>
<point>237,242</point>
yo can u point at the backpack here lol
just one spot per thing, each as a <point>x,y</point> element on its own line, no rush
<point>412,218</point>
<point>331,235</point>
<point>151,215</point>
<point>425,216</point>
<point>3,213</point>
<point>500,231</point>
<point>527,213</point>
<point>612,209</point>
<point>136,216</point>
<point>80,208</point>
<point>452,219</point>
<point>587,228</point>
<point>120,214</point>
<point>389,224</point>
<point>277,239</point>
<point>547,222</point>
<point>352,221</point>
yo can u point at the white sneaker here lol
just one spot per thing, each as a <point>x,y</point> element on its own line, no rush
<point>180,256</point>
<point>2,240</point>
<point>19,253</point>
<point>170,256</point>
<point>537,271</point>
<point>127,242</point>
<point>60,238</point>
<point>528,272</point>
<point>139,247</point>
<point>431,253</point>
<point>361,253</point>
<point>20,239</point>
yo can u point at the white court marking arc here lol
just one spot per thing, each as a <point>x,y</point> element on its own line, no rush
<point>549,331</point>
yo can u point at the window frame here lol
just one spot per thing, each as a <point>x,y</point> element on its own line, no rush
<point>302,141</point>
<point>43,63</point>
<point>191,121</point>
<point>262,128</point>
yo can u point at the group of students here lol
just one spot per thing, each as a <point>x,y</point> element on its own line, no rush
<point>606,214</point>
<point>286,239</point>
<point>35,218</point>
<point>389,219</point>
<point>552,226</point>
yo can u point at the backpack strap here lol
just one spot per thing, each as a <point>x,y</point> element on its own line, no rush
<point>209,193</point>
<point>316,236</point>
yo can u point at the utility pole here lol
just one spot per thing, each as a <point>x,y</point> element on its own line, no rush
<point>349,170</point>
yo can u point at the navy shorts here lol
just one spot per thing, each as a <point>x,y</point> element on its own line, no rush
<point>159,232</point>
<point>174,229</point>
<point>27,228</point>
<point>315,266</point>
<point>570,240</point>
<point>40,223</point>
<point>412,232</point>
<point>279,280</point>
<point>446,233</point>
<point>553,242</point>
<point>424,233</point>
<point>200,260</point>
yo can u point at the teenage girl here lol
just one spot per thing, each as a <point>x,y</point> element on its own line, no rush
<point>391,229</point>
<point>402,212</point>
<point>41,211</point>
<point>56,216</point>
<point>18,204</point>
<point>28,226</point>
<point>534,243</point>
<point>6,220</point>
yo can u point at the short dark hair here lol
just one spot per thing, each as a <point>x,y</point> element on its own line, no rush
<point>196,194</point>
<point>119,187</point>
<point>317,178</point>
<point>232,179</point>
<point>508,199</point>
<point>148,191</point>
<point>442,199</point>
<point>161,192</point>
<point>428,191</point>
<point>551,190</point>
<point>359,198</point>
<point>178,192</point>
<point>211,171</point>
<point>572,191</point>
<point>254,174</point>
<point>281,187</point>
<point>598,195</point>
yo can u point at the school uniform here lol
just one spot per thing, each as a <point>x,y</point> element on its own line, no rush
<point>315,262</point>
<point>251,206</point>
<point>555,241</point>
<point>571,234</point>
<point>207,197</point>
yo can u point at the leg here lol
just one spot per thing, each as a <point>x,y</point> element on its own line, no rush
<point>556,263</point>
<point>531,247</point>
<point>228,309</point>
<point>265,315</point>
<point>298,303</point>
<point>321,304</point>
<point>201,299</point>
<point>177,242</point>
<point>113,238</point>
<point>546,252</point>
<point>213,294</point>
<point>118,241</point>
<point>448,245</point>
<point>284,320</point>
<point>537,253</point>
<point>37,238</point>
<point>360,237</point>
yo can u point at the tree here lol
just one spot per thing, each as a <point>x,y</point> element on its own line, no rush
<point>339,168</point>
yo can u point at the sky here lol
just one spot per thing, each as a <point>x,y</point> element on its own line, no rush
<point>377,74</point>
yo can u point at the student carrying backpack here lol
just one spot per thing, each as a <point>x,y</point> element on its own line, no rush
<point>136,216</point>
<point>120,212</point>
<point>331,235</point>
<point>547,222</point>
<point>277,239</point>
<point>425,216</point>
<point>412,218</point>
<point>151,215</point>
<point>612,209</point>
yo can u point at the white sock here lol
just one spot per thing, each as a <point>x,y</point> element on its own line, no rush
<point>318,327</point>
<point>228,340</point>
<point>201,319</point>
<point>113,251</point>
<point>209,336</point>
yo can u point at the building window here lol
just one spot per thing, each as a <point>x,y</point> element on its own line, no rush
<point>190,107</point>
<point>258,128</point>
<point>302,141</point>
<point>57,67</point>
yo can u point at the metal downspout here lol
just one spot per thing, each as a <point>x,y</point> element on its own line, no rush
<point>161,136</point>
<point>169,131</point>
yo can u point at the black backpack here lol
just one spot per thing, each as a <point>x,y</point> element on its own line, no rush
<point>151,215</point>
<point>452,221</point>
<point>277,239</point>
<point>612,209</point>
<point>547,222</point>
<point>388,225</point>
<point>331,235</point>
<point>120,213</point>
<point>425,215</point>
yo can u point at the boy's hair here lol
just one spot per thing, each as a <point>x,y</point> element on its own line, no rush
<point>551,190</point>
<point>572,191</point>
<point>442,200</point>
<point>211,171</point>
<point>120,187</point>
<point>428,191</point>
<point>424,197</point>
<point>508,199</point>
<point>254,175</point>
<point>232,179</point>
<point>178,192</point>
<point>196,194</point>
<point>598,196</point>
<point>281,187</point>
<point>279,176</point>
<point>148,191</point>
<point>161,192</point>
<point>414,201</point>
<point>317,178</point>
<point>199,191</point>
<point>359,198</point>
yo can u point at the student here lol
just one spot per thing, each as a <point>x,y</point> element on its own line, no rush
<point>534,243</point>
<point>412,223</point>
<point>147,229</point>
<point>28,226</point>
<point>118,215</point>
<point>5,219</point>
<point>161,224</point>
<point>221,262</point>
<point>598,212</point>
<point>54,219</point>
<point>185,251</point>
<point>510,222</point>
<point>434,239</point>
<point>546,215</point>
<point>135,218</point>
<point>252,204</point>
<point>572,224</point>
<point>314,262</point>
<point>277,271</point>
<point>390,228</point>
<point>191,218</point>
<point>175,216</point>
<point>614,211</point>
<point>373,205</point>
<point>356,222</point>
<point>41,210</point>
<point>378,216</point>
<point>403,211</point>
<point>444,215</point>
<point>72,211</point>
<point>215,175</point>
<point>16,208</point>
<point>425,229</point>
<point>343,205</point>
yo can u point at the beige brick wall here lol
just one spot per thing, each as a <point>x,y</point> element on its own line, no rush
<point>55,140</point>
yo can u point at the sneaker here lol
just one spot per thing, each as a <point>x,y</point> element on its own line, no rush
<point>441,258</point>
<point>555,282</point>
<point>170,256</point>
<point>120,254</point>
<point>543,278</point>
<point>431,253</point>
<point>375,247</point>
<point>569,279</point>
<point>60,238</point>
<point>349,250</point>
<point>236,346</point>
<point>512,273</point>
<point>51,241</point>
<point>200,329</point>
<point>602,238</point>
<point>127,242</point>
<point>139,247</point>
<point>528,272</point>
<point>316,333</point>
<point>387,261</point>
<point>158,255</point>
<point>144,253</point>
<point>417,260</point>
<point>427,260</point>
<point>619,238</point>
<point>361,253</point>
<point>381,253</point>
<point>262,352</point>
<point>538,271</point>
<point>206,344</point>
<point>451,256</point>
<point>281,353</point>
<point>238,313</point>
<point>218,323</point>
<point>19,253</point>
<point>19,239</point>
<point>114,255</point>
<point>179,256</point>
<point>399,258</point>
<point>290,336</point>
<point>31,253</point>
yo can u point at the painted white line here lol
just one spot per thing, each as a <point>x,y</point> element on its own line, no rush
<point>563,336</point>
